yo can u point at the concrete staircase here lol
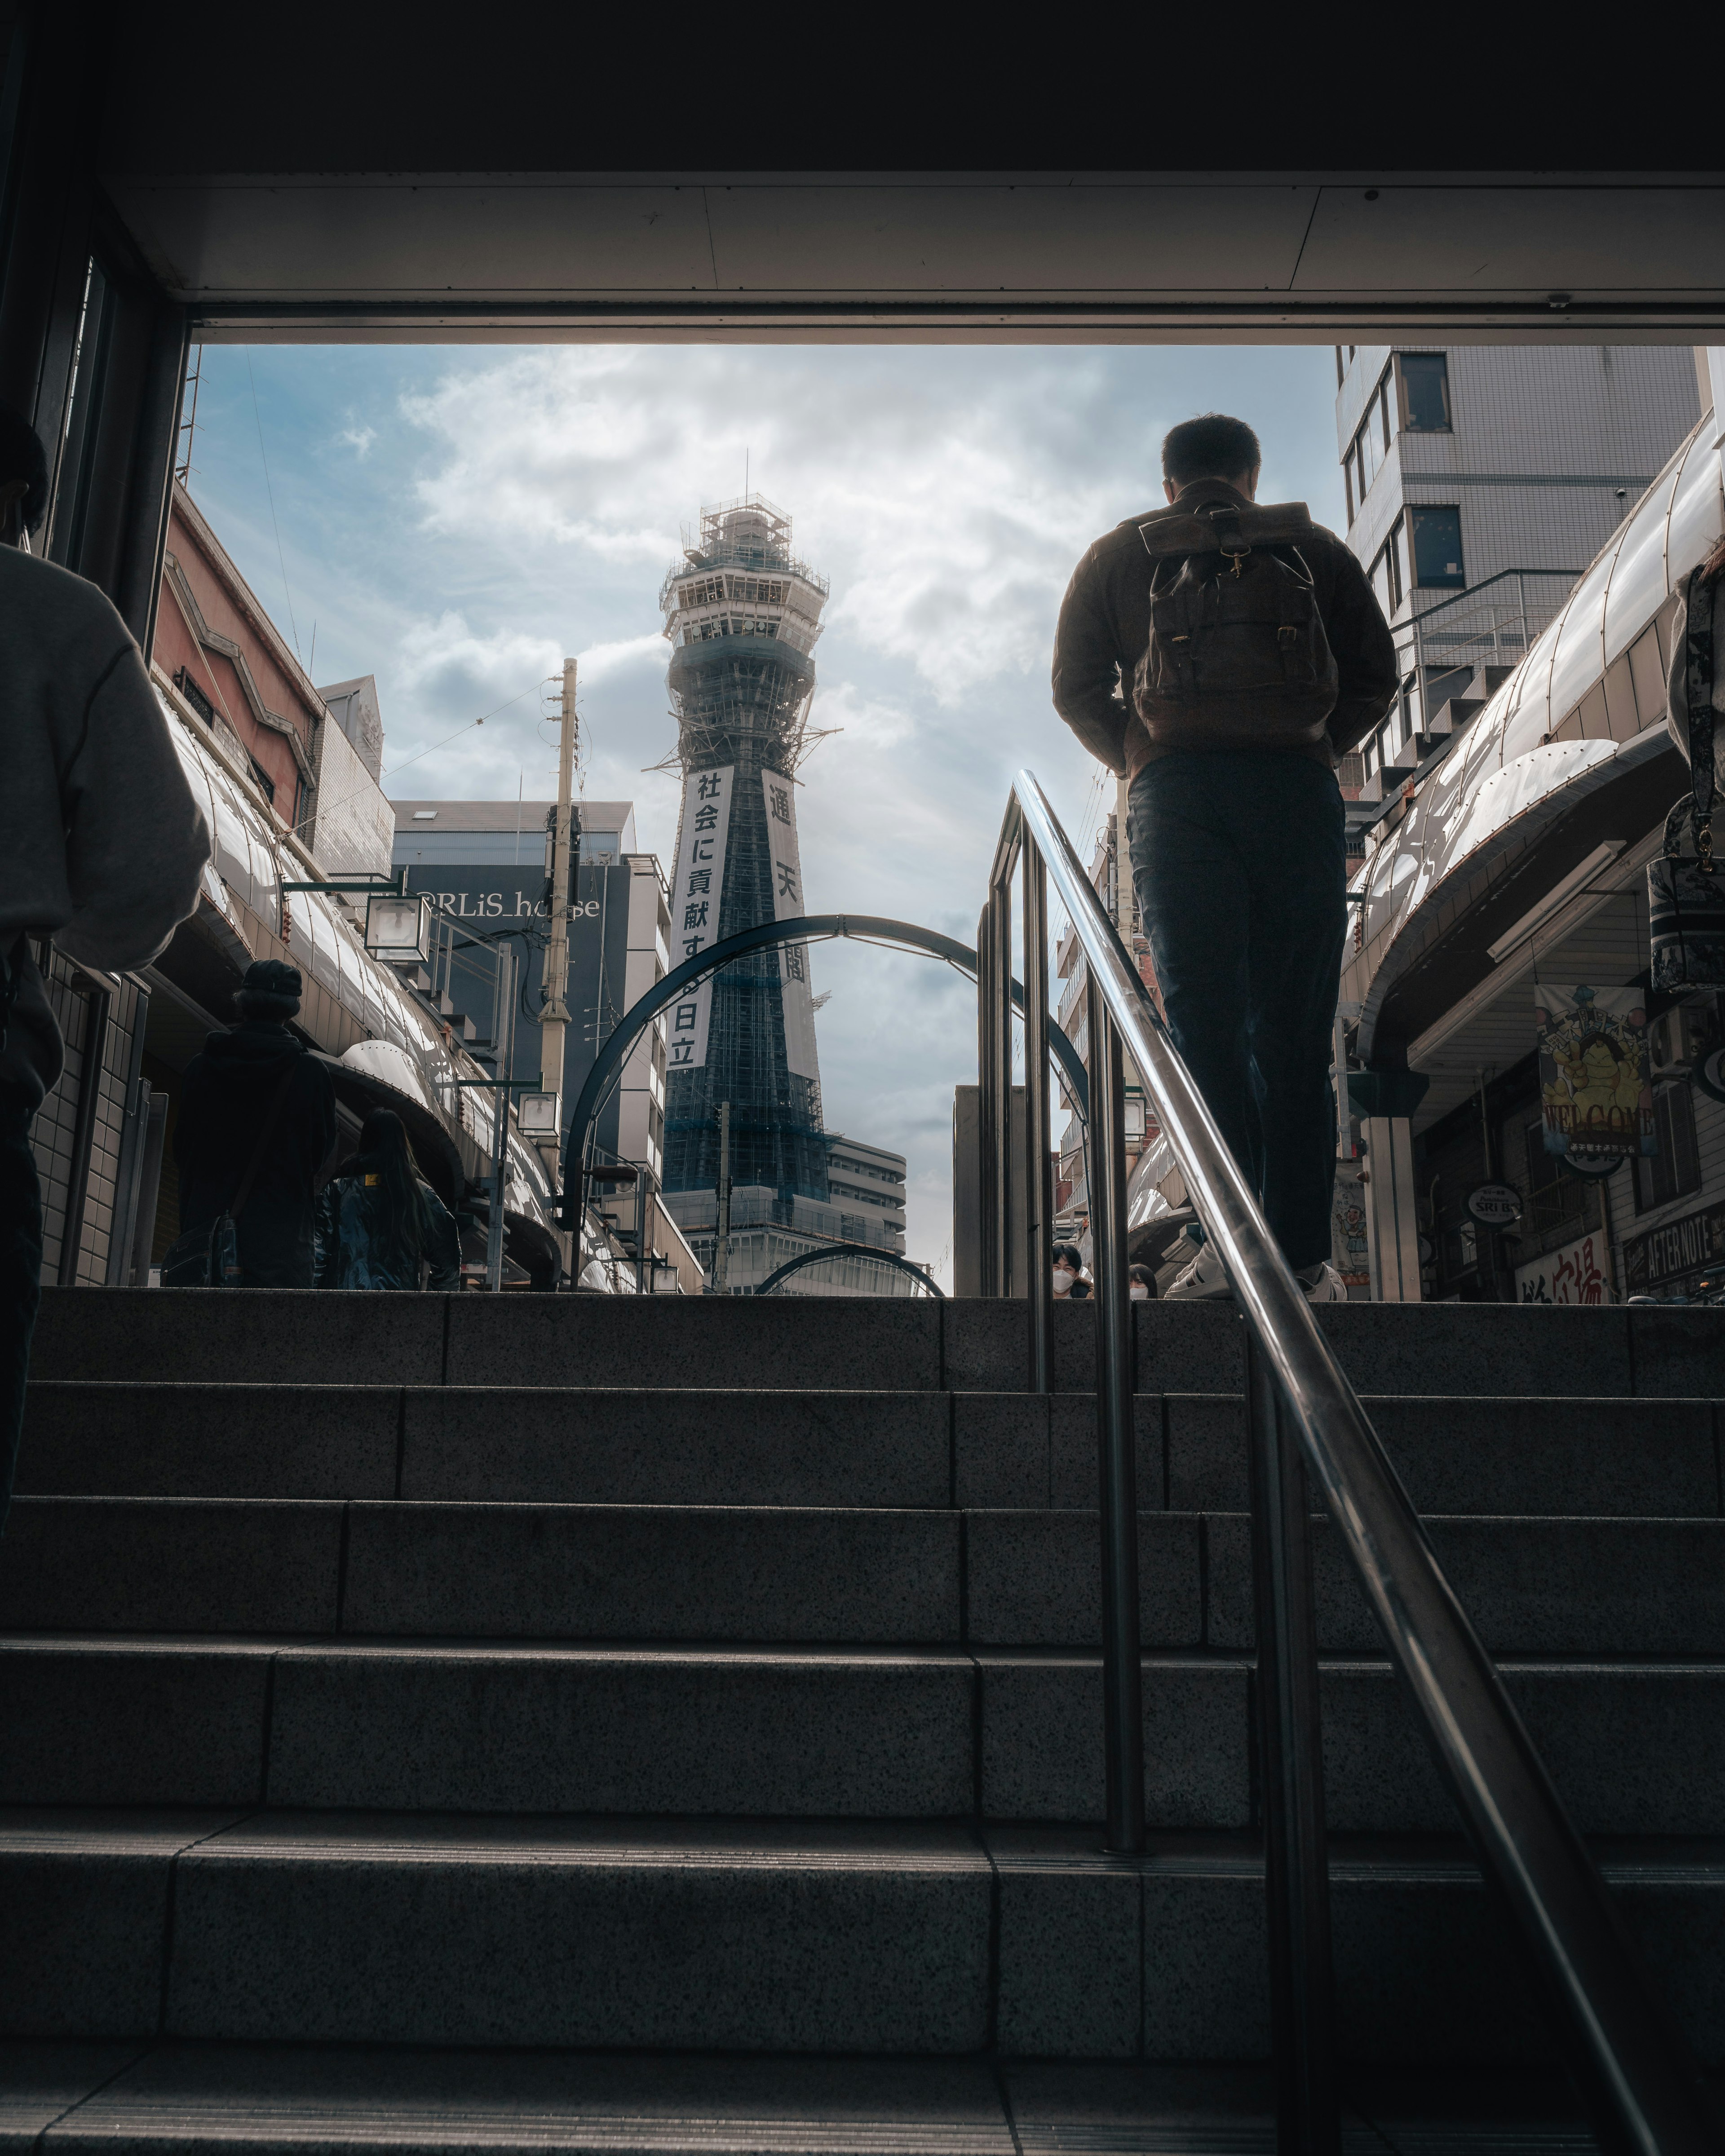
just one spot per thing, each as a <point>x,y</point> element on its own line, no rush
<point>569,1722</point>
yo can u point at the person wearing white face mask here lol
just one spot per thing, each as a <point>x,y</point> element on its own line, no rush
<point>1140,1283</point>
<point>1068,1268</point>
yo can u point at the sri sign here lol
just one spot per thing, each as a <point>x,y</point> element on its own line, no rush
<point>695,894</point>
<point>1595,1095</point>
<point>1495,1204</point>
<point>1576,1274</point>
<point>787,905</point>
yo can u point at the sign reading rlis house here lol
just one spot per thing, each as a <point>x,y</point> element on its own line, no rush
<point>787,905</point>
<point>695,893</point>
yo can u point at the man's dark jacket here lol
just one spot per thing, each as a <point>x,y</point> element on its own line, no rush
<point>226,1096</point>
<point>1105,626</point>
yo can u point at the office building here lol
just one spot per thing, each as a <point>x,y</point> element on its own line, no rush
<point>484,865</point>
<point>1479,480</point>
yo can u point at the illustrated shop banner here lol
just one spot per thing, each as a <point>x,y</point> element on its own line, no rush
<point>787,905</point>
<point>695,906</point>
<point>1348,1251</point>
<point>1596,1096</point>
<point>1579,1274</point>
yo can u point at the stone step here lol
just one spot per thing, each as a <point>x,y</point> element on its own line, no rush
<point>1569,1457</point>
<point>161,2098</point>
<point>1165,1958</point>
<point>551,1445</point>
<point>1634,1746</point>
<point>296,1928</point>
<point>801,1344</point>
<point>760,1576</point>
<point>493,1728</point>
<point>381,1928</point>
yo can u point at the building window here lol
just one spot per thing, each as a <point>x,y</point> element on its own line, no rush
<point>1675,1170</point>
<point>1437,548</point>
<point>1555,1200</point>
<point>1425,392</point>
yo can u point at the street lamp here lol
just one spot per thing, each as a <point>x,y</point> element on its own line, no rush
<point>398,929</point>
<point>536,1116</point>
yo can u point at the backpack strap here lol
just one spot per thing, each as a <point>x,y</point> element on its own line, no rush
<point>12,972</point>
<point>256,1162</point>
<point>1698,658</point>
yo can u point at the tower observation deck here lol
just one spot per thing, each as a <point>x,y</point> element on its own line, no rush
<point>741,615</point>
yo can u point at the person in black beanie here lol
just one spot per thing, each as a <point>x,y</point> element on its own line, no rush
<point>228,1092</point>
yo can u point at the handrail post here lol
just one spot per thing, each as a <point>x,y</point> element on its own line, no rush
<point>1000,957</point>
<point>1296,1882</point>
<point>1038,1241</point>
<point>1122,1672</point>
<point>987,1200</point>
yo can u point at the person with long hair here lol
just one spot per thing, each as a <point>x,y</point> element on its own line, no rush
<point>379,1223</point>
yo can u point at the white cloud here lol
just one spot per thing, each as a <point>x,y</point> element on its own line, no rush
<point>358,438</point>
<point>599,659</point>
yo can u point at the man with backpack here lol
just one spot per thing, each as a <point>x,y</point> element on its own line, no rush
<point>1220,656</point>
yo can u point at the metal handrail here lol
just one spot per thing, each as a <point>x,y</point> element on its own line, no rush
<point>1303,1416</point>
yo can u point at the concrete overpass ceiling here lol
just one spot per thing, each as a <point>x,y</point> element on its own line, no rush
<point>1082,255</point>
<point>342,175</point>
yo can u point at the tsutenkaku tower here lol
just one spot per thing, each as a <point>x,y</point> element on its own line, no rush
<point>741,615</point>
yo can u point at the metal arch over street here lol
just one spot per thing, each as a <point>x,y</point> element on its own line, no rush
<point>850,1250</point>
<point>767,935</point>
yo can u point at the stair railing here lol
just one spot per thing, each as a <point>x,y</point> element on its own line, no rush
<point>1303,1417</point>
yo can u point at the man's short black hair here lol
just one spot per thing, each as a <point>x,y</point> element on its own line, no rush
<point>22,456</point>
<point>1211,447</point>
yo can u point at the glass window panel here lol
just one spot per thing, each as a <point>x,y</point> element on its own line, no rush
<point>1532,716</point>
<point>1579,660</point>
<point>1638,581</point>
<point>1425,392</point>
<point>1648,674</point>
<point>1384,420</point>
<point>1696,516</point>
<point>1437,548</point>
<point>1398,560</point>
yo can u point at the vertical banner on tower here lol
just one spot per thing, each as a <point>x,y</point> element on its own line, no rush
<point>1595,1094</point>
<point>695,906</point>
<point>787,905</point>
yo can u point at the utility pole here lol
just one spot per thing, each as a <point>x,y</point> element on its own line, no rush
<point>722,1244</point>
<point>554,1018</point>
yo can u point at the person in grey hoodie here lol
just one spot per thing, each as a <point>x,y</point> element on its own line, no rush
<point>101,846</point>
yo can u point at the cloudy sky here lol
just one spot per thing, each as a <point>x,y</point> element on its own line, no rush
<point>454,520</point>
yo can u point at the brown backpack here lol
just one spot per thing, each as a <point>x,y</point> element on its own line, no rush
<point>1237,657</point>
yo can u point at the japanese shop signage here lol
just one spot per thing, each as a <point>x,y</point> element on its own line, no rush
<point>1678,1247</point>
<point>1495,1204</point>
<point>787,905</point>
<point>695,894</point>
<point>1595,1094</point>
<point>1576,1274</point>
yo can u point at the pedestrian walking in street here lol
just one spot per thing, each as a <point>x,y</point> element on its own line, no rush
<point>256,1124</point>
<point>1068,1268</point>
<point>1220,656</point>
<point>379,1223</point>
<point>101,846</point>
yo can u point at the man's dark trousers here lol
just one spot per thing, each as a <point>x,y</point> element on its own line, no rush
<point>1240,864</point>
<point>20,1271</point>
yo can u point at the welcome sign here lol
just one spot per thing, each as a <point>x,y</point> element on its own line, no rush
<point>1596,1097</point>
